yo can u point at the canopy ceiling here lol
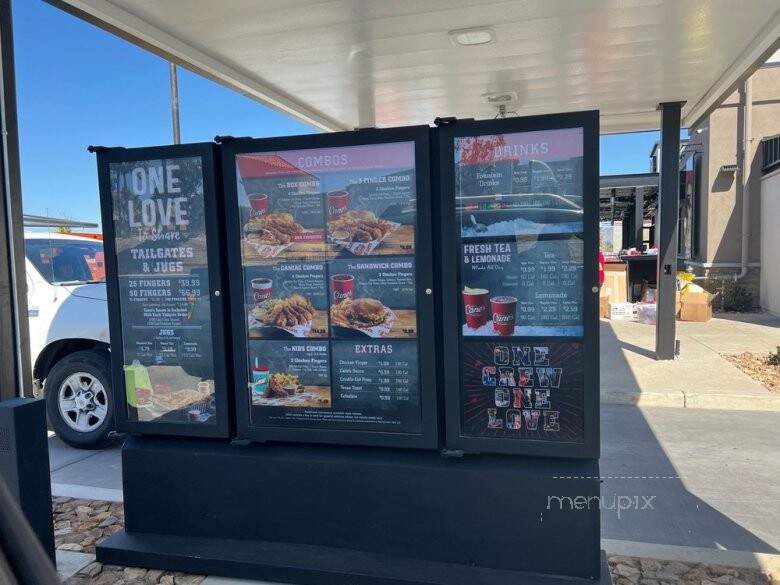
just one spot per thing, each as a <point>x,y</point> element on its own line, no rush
<point>357,63</point>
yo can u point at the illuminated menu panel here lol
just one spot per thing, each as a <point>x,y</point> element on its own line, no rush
<point>159,228</point>
<point>519,213</point>
<point>329,273</point>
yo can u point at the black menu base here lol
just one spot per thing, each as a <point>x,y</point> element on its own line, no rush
<point>306,564</point>
<point>295,512</point>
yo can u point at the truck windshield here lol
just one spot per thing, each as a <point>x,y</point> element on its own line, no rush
<point>63,261</point>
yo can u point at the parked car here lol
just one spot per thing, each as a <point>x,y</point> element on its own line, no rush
<point>69,341</point>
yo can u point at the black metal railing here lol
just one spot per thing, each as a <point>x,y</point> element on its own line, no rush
<point>770,153</point>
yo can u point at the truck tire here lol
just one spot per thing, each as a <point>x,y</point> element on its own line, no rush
<point>79,399</point>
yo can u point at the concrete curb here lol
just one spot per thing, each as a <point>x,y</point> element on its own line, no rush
<point>682,399</point>
<point>764,562</point>
<point>86,492</point>
<point>70,562</point>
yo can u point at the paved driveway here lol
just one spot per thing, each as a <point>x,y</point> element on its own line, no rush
<point>711,474</point>
<point>701,377</point>
<point>85,474</point>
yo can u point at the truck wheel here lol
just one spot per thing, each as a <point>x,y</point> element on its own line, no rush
<point>79,399</point>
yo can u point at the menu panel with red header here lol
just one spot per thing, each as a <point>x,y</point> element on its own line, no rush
<point>330,268</point>
<point>517,243</point>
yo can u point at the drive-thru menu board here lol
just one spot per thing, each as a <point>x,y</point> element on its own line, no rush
<point>519,222</point>
<point>328,256</point>
<point>160,258</point>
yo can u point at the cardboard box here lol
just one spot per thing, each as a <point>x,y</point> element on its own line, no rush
<point>696,306</point>
<point>615,278</point>
<point>604,307</point>
<point>622,311</point>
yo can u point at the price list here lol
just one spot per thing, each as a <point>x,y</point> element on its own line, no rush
<point>162,263</point>
<point>328,254</point>
<point>377,375</point>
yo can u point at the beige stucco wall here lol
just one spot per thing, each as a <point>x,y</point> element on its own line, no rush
<point>721,211</point>
<point>770,242</point>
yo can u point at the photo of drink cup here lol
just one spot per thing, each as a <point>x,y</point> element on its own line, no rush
<point>262,289</point>
<point>258,204</point>
<point>503,309</point>
<point>475,306</point>
<point>342,286</point>
<point>337,202</point>
<point>260,374</point>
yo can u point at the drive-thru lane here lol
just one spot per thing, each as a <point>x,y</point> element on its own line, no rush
<point>688,477</point>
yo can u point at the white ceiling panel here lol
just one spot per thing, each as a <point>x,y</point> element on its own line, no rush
<point>356,63</point>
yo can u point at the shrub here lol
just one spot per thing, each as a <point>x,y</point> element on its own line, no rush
<point>733,296</point>
<point>774,357</point>
<point>736,297</point>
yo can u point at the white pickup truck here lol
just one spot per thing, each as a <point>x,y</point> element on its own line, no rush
<point>69,342</point>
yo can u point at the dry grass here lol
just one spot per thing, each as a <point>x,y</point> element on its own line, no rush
<point>761,367</point>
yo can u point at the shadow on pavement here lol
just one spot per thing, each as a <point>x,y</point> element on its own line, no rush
<point>636,467</point>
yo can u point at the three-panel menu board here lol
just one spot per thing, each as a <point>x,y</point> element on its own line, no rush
<point>409,287</point>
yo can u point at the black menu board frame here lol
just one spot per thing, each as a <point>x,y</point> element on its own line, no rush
<point>206,152</point>
<point>579,351</point>
<point>246,428</point>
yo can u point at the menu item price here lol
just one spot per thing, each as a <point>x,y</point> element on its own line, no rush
<point>522,288</point>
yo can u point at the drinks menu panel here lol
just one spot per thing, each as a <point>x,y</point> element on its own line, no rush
<point>160,257</point>
<point>328,252</point>
<point>517,200</point>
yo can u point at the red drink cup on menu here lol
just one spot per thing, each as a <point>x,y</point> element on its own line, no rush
<point>475,305</point>
<point>258,204</point>
<point>503,309</point>
<point>262,289</point>
<point>337,202</point>
<point>342,286</point>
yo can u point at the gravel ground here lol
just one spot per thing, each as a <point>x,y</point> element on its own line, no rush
<point>81,524</point>
<point>758,367</point>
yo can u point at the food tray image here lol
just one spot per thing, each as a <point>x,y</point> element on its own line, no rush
<point>301,330</point>
<point>364,248</point>
<point>344,326</point>
<point>293,314</point>
<point>359,231</point>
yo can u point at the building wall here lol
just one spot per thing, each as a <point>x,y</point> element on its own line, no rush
<point>770,242</point>
<point>721,211</point>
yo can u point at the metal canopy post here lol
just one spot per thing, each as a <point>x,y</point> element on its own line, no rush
<point>639,216</point>
<point>666,230</point>
<point>15,376</point>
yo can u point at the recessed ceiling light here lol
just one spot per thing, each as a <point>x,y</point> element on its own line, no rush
<point>468,37</point>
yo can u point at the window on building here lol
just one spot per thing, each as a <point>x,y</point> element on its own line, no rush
<point>685,227</point>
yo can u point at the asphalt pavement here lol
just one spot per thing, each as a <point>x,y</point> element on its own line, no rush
<point>672,476</point>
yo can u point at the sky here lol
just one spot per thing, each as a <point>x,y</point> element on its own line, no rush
<point>78,85</point>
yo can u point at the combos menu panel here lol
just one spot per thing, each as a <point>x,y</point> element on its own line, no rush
<point>519,217</point>
<point>328,255</point>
